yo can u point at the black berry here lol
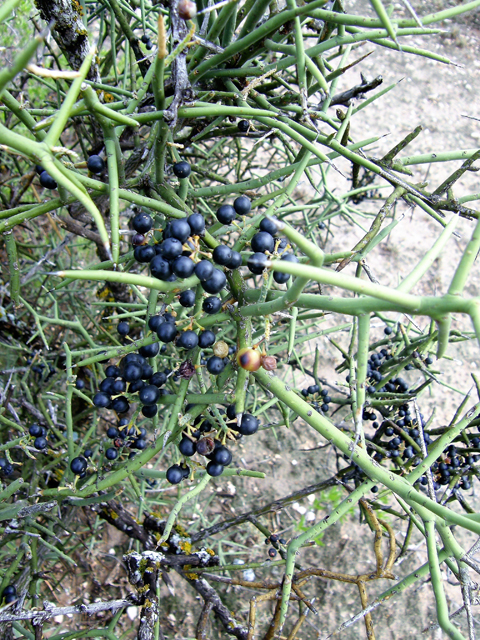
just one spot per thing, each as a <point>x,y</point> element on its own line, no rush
<point>95,164</point>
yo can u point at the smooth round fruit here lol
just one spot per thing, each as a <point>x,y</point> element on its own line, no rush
<point>257,263</point>
<point>112,371</point>
<point>174,474</point>
<point>88,453</point>
<point>120,405</point>
<point>111,454</point>
<point>80,384</point>
<point>231,412</point>
<point>150,410</point>
<point>249,359</point>
<point>39,169</point>
<point>149,350</point>
<point>149,394</point>
<point>171,248</point>
<point>112,433</point>
<point>40,443</point>
<point>196,223</point>
<point>214,469</point>
<point>119,386</point>
<point>47,181</point>
<point>206,339</point>
<point>215,365</point>
<point>123,328</point>
<point>78,465</point>
<point>243,126</point>
<point>144,253</point>
<point>269,225</point>
<point>272,552</point>
<point>9,599</point>
<point>155,321</point>
<point>132,372</point>
<point>249,425</point>
<point>281,278</point>
<point>142,222</point>
<point>10,590</point>
<point>180,229</point>
<point>262,241</point>
<point>387,331</point>
<point>167,332</point>
<point>187,447</point>
<point>160,268</point>
<point>158,379</point>
<point>101,400</point>
<point>226,214</point>
<point>187,340</point>
<point>35,430</point>
<point>215,283</point>
<point>106,386</point>
<point>95,164</point>
<point>204,270</point>
<point>138,239</point>
<point>182,169</point>
<point>222,455</point>
<point>235,261</point>
<point>187,298</point>
<point>222,255</point>
<point>183,267</point>
<point>212,305</point>
<point>145,39</point>
<point>242,205</point>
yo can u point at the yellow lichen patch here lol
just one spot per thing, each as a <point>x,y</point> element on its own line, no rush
<point>191,576</point>
<point>181,531</point>
<point>186,547</point>
<point>211,552</point>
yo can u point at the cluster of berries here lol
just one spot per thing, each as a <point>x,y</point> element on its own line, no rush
<point>9,594</point>
<point>275,541</point>
<point>314,390</point>
<point>95,164</point>
<point>147,42</point>
<point>201,440</point>
<point>265,242</point>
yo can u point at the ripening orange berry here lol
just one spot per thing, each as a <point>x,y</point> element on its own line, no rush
<point>249,359</point>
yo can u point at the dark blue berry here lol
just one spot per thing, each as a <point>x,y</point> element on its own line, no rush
<point>95,164</point>
<point>182,169</point>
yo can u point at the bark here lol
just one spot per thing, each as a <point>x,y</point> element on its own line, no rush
<point>69,32</point>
